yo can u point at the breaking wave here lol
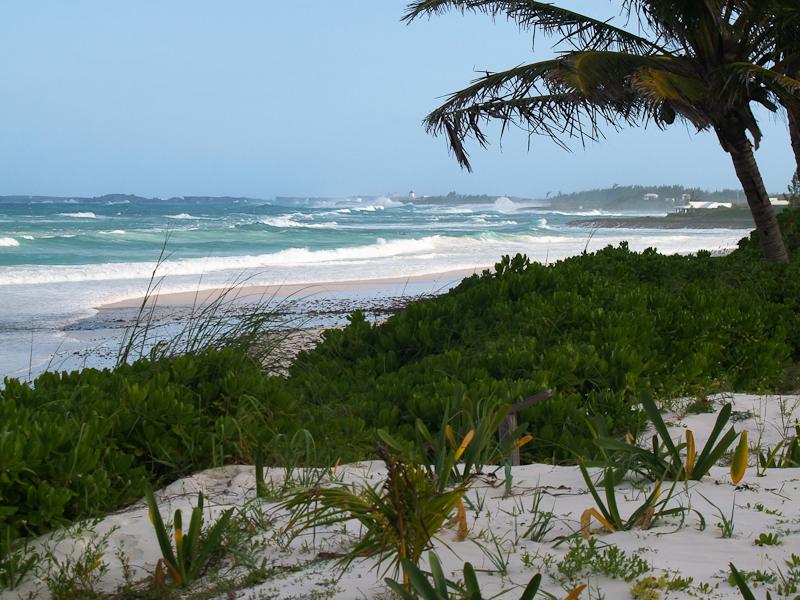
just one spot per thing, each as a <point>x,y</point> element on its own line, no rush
<point>79,215</point>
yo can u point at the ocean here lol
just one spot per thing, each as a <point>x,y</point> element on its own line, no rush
<point>61,258</point>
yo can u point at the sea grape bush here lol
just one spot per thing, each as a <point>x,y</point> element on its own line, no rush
<point>598,329</point>
<point>83,443</point>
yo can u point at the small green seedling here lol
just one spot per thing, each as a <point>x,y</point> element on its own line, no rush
<point>768,539</point>
<point>192,553</point>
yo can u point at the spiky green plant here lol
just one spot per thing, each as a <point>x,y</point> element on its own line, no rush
<point>785,454</point>
<point>464,444</point>
<point>663,461</point>
<point>399,519</point>
<point>436,586</point>
<point>192,552</point>
<point>607,513</point>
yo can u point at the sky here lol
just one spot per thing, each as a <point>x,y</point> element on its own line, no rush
<point>305,98</point>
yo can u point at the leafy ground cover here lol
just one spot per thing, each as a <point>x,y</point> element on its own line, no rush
<point>600,330</point>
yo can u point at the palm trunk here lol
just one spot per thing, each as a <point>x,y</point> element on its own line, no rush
<point>767,228</point>
<point>794,132</point>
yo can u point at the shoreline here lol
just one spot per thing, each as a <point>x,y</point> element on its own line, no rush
<point>439,281</point>
<point>673,221</point>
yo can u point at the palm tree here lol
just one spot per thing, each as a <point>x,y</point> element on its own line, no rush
<point>699,64</point>
<point>780,32</point>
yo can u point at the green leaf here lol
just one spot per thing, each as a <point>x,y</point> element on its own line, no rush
<point>161,531</point>
<point>419,581</point>
<point>471,583</point>
<point>398,589</point>
<point>658,423</point>
<point>741,583</point>
<point>439,579</point>
<point>532,587</point>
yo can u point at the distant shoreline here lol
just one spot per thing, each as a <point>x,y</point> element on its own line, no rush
<point>727,219</point>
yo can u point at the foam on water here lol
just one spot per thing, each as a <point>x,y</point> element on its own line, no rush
<point>183,217</point>
<point>288,221</point>
<point>79,215</point>
<point>8,242</point>
<point>504,204</point>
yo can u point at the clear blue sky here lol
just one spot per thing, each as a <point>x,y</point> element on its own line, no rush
<point>308,97</point>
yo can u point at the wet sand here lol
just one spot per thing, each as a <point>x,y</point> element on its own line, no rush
<point>429,284</point>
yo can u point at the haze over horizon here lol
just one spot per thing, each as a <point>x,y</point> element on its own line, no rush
<point>305,99</point>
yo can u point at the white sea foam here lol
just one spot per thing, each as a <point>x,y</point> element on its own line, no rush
<point>506,205</point>
<point>454,210</point>
<point>288,222</point>
<point>357,204</point>
<point>291,257</point>
<point>27,237</point>
<point>183,217</point>
<point>117,202</point>
<point>79,215</point>
<point>367,208</point>
<point>8,242</point>
<point>593,213</point>
<point>389,257</point>
<point>490,221</point>
<point>114,232</point>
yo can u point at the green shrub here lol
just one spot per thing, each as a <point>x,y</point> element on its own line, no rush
<point>83,443</point>
<point>598,329</point>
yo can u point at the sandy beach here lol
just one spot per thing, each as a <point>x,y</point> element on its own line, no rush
<point>432,283</point>
<point>688,554</point>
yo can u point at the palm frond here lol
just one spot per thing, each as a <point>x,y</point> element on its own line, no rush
<point>571,96</point>
<point>579,30</point>
<point>553,115</point>
<point>782,86</point>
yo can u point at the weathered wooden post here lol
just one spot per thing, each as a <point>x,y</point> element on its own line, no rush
<point>509,424</point>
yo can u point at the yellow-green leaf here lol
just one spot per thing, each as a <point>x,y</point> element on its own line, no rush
<point>464,443</point>
<point>690,453</point>
<point>739,463</point>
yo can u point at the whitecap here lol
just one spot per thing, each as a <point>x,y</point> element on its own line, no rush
<point>505,204</point>
<point>288,222</point>
<point>8,242</point>
<point>79,215</point>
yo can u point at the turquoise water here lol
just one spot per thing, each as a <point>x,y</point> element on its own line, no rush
<point>61,258</point>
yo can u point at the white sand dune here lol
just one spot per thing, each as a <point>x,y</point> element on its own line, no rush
<point>674,546</point>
